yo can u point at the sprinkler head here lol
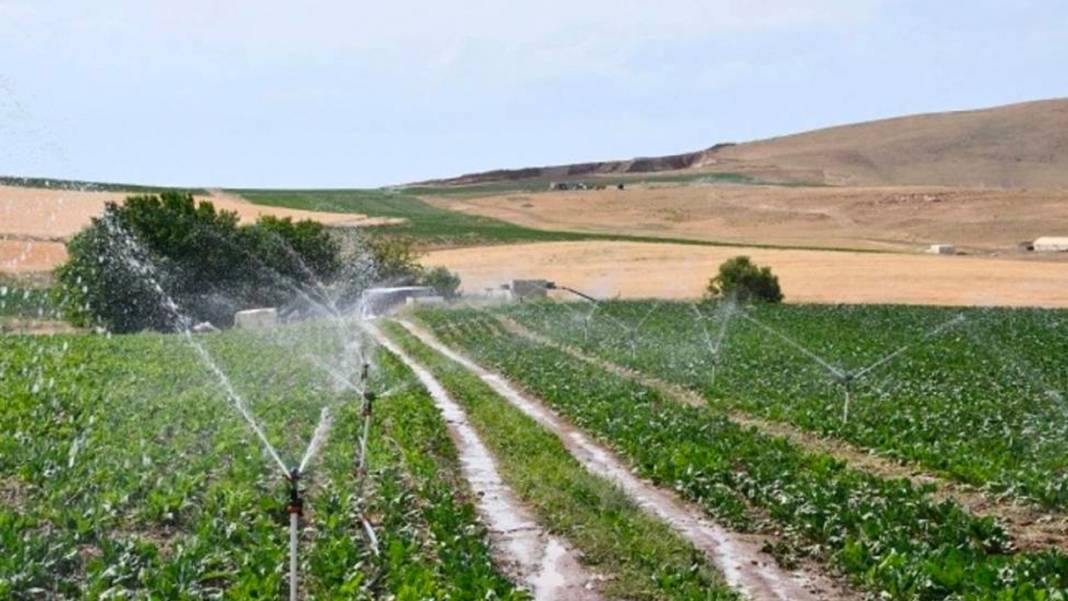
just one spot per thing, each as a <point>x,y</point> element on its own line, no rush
<point>846,378</point>
<point>296,504</point>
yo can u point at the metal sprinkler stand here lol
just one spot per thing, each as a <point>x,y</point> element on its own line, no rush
<point>847,380</point>
<point>295,509</point>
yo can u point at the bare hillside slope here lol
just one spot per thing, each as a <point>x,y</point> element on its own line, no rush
<point>1015,146</point>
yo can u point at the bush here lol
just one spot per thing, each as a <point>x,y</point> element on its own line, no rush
<point>396,261</point>
<point>443,281</point>
<point>742,280</point>
<point>126,261</point>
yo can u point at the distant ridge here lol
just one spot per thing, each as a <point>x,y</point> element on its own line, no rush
<point>1013,146</point>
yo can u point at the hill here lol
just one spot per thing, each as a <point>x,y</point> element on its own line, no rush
<point>1015,146</point>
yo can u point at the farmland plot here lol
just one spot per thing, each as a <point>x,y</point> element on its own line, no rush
<point>979,400</point>
<point>125,473</point>
<point>890,537</point>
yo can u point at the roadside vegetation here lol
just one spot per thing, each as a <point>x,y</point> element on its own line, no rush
<point>889,536</point>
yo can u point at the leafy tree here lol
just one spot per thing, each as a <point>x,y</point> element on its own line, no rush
<point>443,281</point>
<point>123,266</point>
<point>396,260</point>
<point>741,279</point>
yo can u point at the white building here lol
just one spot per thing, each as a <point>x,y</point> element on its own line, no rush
<point>941,249</point>
<point>1051,244</point>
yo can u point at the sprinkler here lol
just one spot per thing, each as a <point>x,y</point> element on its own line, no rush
<point>366,412</point>
<point>295,509</point>
<point>848,378</point>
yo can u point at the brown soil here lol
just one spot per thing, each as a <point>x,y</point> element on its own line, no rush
<point>879,218</point>
<point>640,270</point>
<point>1030,527</point>
<point>30,256</point>
<point>1018,145</point>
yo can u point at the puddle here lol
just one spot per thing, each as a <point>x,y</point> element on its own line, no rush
<point>542,562</point>
<point>738,556</point>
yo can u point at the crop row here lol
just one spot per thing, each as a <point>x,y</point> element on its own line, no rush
<point>980,400</point>
<point>890,537</point>
<point>125,473</point>
<point>639,556</point>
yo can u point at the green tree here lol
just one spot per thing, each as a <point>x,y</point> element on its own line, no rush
<point>742,280</point>
<point>443,281</point>
<point>396,260</point>
<point>123,267</point>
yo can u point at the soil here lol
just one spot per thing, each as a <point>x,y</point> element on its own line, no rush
<point>1030,527</point>
<point>540,560</point>
<point>740,557</point>
<point>678,271</point>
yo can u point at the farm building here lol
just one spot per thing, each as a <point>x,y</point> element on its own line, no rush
<point>941,249</point>
<point>1051,244</point>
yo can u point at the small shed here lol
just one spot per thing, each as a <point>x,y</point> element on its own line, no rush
<point>1051,244</point>
<point>941,249</point>
<point>256,318</point>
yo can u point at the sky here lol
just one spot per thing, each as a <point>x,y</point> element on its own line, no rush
<point>266,93</point>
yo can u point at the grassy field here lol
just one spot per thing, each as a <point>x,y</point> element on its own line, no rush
<point>891,538</point>
<point>126,474</point>
<point>429,225</point>
<point>981,402</point>
<point>432,226</point>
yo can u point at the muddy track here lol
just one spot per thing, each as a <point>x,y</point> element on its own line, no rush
<point>1030,527</point>
<point>542,562</point>
<point>739,557</point>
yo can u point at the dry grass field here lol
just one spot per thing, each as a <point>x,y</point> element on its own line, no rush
<point>639,270</point>
<point>876,218</point>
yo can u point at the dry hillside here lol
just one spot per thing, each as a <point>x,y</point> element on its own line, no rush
<point>1015,146</point>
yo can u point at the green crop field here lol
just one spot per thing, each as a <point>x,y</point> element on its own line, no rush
<point>429,225</point>
<point>125,473</point>
<point>432,226</point>
<point>891,538</point>
<point>980,401</point>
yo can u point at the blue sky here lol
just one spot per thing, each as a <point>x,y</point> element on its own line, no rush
<point>345,94</point>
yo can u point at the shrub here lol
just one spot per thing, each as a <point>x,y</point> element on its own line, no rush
<point>396,260</point>
<point>443,281</point>
<point>742,280</point>
<point>207,263</point>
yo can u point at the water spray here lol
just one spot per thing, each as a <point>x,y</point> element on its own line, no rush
<point>845,378</point>
<point>597,306</point>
